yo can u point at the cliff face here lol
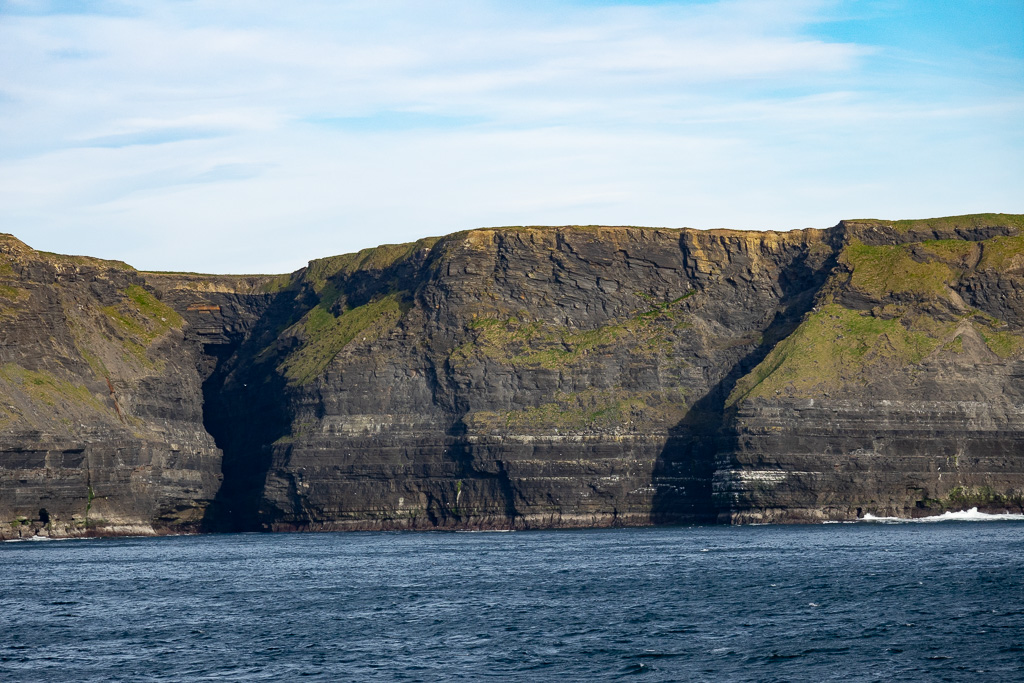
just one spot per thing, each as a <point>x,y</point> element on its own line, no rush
<point>900,394</point>
<point>100,403</point>
<point>532,377</point>
<point>528,377</point>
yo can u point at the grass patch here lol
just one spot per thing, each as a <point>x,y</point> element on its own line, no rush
<point>586,410</point>
<point>278,283</point>
<point>513,341</point>
<point>12,293</point>
<point>1003,344</point>
<point>956,346</point>
<point>883,270</point>
<point>140,320</point>
<point>88,261</point>
<point>326,334</point>
<point>836,346</point>
<point>1001,253</point>
<point>375,258</point>
<point>965,222</point>
<point>98,367</point>
<point>162,315</point>
<point>954,251</point>
<point>43,387</point>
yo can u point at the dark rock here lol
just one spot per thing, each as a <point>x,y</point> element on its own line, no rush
<point>522,378</point>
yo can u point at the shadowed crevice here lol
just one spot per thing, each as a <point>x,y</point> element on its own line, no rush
<point>682,474</point>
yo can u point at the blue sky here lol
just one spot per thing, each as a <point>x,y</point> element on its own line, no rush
<point>249,136</point>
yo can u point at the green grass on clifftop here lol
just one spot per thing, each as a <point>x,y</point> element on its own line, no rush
<point>375,258</point>
<point>885,270</point>
<point>967,221</point>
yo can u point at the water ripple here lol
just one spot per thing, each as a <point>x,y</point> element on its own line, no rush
<point>863,602</point>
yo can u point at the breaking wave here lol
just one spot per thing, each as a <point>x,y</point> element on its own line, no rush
<point>971,515</point>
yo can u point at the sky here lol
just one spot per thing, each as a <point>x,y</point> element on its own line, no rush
<point>246,136</point>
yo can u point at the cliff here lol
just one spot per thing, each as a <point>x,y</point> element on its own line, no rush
<point>101,429</point>
<point>521,378</point>
<point>900,394</point>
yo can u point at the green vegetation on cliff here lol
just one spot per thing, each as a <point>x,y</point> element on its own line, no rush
<point>1003,343</point>
<point>965,222</point>
<point>325,334</point>
<point>140,320</point>
<point>515,341</point>
<point>1002,253</point>
<point>161,316</point>
<point>954,252</point>
<point>947,224</point>
<point>962,497</point>
<point>918,312</point>
<point>885,270</point>
<point>833,346</point>
<point>332,323</point>
<point>378,258</point>
<point>46,388</point>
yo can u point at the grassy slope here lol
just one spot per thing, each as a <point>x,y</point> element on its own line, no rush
<point>837,347</point>
<point>115,342</point>
<point>330,325</point>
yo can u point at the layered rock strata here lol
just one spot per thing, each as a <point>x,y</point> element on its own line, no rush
<point>523,378</point>
<point>528,377</point>
<point>900,394</point>
<point>101,429</point>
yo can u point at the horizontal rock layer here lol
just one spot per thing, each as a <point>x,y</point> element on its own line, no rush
<point>101,429</point>
<point>524,378</point>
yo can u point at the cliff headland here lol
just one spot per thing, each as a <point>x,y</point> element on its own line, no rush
<point>521,377</point>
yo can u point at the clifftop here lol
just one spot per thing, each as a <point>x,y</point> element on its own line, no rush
<point>521,377</point>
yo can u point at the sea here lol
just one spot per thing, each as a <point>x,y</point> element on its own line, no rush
<point>880,600</point>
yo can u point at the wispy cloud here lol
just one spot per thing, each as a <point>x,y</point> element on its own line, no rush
<point>150,137</point>
<point>354,122</point>
<point>68,7</point>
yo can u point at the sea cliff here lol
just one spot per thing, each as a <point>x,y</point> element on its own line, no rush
<point>521,377</point>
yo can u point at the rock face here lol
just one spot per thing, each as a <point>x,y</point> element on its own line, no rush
<point>901,393</point>
<point>101,428</point>
<point>523,378</point>
<point>534,377</point>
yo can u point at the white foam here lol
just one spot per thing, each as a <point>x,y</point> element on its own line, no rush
<point>31,539</point>
<point>971,515</point>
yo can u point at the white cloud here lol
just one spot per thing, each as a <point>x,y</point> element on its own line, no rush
<point>245,136</point>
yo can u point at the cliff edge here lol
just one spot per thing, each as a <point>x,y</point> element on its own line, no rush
<point>523,377</point>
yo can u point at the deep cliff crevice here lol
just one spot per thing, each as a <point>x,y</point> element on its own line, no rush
<point>522,378</point>
<point>532,378</point>
<point>683,473</point>
<point>244,422</point>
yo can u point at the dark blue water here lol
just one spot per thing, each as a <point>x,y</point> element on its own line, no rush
<point>942,602</point>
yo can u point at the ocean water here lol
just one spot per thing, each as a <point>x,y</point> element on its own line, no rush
<point>844,602</point>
